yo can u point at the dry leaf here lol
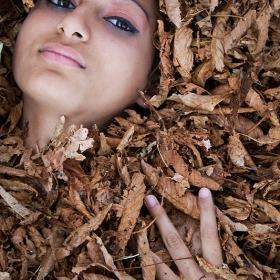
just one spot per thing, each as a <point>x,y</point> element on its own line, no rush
<point>132,206</point>
<point>14,204</point>
<point>148,270</point>
<point>166,187</point>
<point>183,55</point>
<point>263,22</point>
<point>238,154</point>
<point>223,272</point>
<point>217,44</point>
<point>242,26</point>
<point>173,8</point>
<point>202,102</point>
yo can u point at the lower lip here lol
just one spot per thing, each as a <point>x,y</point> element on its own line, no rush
<point>61,59</point>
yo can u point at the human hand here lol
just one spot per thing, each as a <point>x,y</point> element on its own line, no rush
<point>211,248</point>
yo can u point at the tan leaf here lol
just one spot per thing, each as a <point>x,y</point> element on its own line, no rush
<point>132,206</point>
<point>11,185</point>
<point>14,117</point>
<point>240,29</point>
<point>28,3</point>
<point>238,154</point>
<point>269,210</point>
<point>254,100</point>
<point>78,203</point>
<point>110,262</point>
<point>217,43</point>
<point>203,72</point>
<point>174,11</point>
<point>223,272</point>
<point>79,235</point>
<point>78,142</point>
<point>238,208</point>
<point>275,5</point>
<point>166,187</point>
<point>148,271</point>
<point>263,22</point>
<point>195,101</point>
<point>234,252</point>
<point>213,5</point>
<point>126,139</point>
<point>14,204</point>
<point>47,264</point>
<point>183,55</point>
<point>173,158</point>
<point>59,129</point>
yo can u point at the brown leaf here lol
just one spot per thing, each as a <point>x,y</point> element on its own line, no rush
<point>263,22</point>
<point>78,203</point>
<point>14,117</point>
<point>217,43</point>
<point>14,204</point>
<point>203,72</point>
<point>132,206</point>
<point>238,154</point>
<point>166,187</point>
<point>183,55</point>
<point>223,272</point>
<point>126,139</point>
<point>47,264</point>
<point>110,262</point>
<point>269,210</point>
<point>173,8</point>
<point>28,3</point>
<point>240,29</point>
<point>148,271</point>
<point>79,235</point>
<point>254,100</point>
<point>202,102</point>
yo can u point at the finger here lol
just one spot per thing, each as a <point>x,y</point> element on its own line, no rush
<point>210,243</point>
<point>173,242</point>
<point>163,272</point>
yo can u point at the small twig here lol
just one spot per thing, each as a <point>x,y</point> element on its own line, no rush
<point>136,267</point>
<point>259,122</point>
<point>147,101</point>
<point>234,16</point>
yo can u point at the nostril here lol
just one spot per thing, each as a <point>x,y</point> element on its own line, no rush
<point>78,34</point>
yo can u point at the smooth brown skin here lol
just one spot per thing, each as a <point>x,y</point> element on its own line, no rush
<point>211,248</point>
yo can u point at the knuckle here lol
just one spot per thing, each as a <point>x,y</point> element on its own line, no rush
<point>173,241</point>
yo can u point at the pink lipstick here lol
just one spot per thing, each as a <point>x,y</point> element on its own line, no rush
<point>62,54</point>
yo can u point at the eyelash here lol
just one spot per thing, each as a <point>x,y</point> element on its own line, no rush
<point>118,22</point>
<point>60,4</point>
<point>121,24</point>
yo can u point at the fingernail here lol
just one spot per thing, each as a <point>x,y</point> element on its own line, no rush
<point>150,201</point>
<point>204,193</point>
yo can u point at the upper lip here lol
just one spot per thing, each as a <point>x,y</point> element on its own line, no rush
<point>65,51</point>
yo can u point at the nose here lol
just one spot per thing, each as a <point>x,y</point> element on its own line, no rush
<point>74,25</point>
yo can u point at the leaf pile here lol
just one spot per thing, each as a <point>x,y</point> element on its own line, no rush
<point>74,209</point>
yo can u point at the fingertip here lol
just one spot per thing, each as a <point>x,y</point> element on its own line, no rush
<point>204,193</point>
<point>150,201</point>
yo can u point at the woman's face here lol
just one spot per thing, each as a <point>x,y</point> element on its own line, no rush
<point>86,58</point>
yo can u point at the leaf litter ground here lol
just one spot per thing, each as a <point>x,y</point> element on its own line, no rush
<point>74,209</point>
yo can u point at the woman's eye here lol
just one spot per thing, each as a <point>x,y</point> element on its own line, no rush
<point>63,4</point>
<point>122,24</point>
